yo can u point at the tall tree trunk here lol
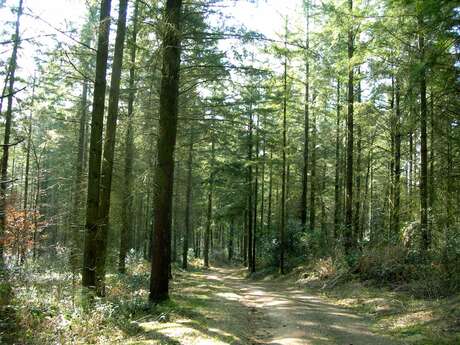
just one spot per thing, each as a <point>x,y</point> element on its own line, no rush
<point>208,233</point>
<point>423,147</point>
<point>109,149</point>
<point>148,229</point>
<point>28,149</point>
<point>256,190</point>
<point>231,236</point>
<point>357,213</point>
<point>349,243</point>
<point>366,203</point>
<point>91,246</point>
<point>357,200</point>
<point>397,165</point>
<point>262,187</point>
<point>371,205</point>
<point>245,237</point>
<point>391,166</point>
<point>313,176</point>
<point>7,134</point>
<point>324,231</point>
<point>79,180</point>
<point>303,201</point>
<point>164,172</point>
<point>411,163</point>
<point>432,186</point>
<point>337,185</point>
<point>127,207</point>
<point>449,185</point>
<point>35,211</point>
<point>175,216</point>
<point>250,191</point>
<point>27,169</point>
<point>270,193</point>
<point>188,200</point>
<point>38,196</point>
<point>284,162</point>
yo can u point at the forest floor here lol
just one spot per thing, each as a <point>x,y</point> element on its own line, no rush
<point>226,308</point>
<point>221,305</point>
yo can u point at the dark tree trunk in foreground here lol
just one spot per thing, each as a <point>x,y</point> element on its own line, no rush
<point>348,238</point>
<point>164,170</point>
<point>109,148</point>
<point>95,150</point>
<point>7,133</point>
<point>127,208</point>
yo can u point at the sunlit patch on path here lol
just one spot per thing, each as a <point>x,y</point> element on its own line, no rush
<point>220,307</point>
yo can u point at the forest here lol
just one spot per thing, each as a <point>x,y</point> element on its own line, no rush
<point>230,172</point>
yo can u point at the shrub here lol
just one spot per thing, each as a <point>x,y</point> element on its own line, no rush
<point>386,264</point>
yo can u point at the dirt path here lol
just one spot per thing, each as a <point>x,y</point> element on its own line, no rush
<point>220,307</point>
<point>284,315</point>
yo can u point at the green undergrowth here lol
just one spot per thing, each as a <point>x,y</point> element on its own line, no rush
<point>46,308</point>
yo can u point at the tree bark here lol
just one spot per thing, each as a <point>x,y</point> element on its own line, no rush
<point>79,180</point>
<point>164,172</point>
<point>357,213</point>
<point>127,207</point>
<point>256,190</point>
<point>262,187</point>
<point>188,200</point>
<point>231,236</point>
<point>348,240</point>
<point>284,162</point>
<point>91,245</point>
<point>245,237</point>
<point>208,233</point>
<point>423,147</point>
<point>175,211</point>
<point>397,165</point>
<point>109,149</point>
<point>313,176</point>
<point>432,187</point>
<point>250,191</point>
<point>270,193</point>
<point>7,134</point>
<point>303,201</point>
<point>337,184</point>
